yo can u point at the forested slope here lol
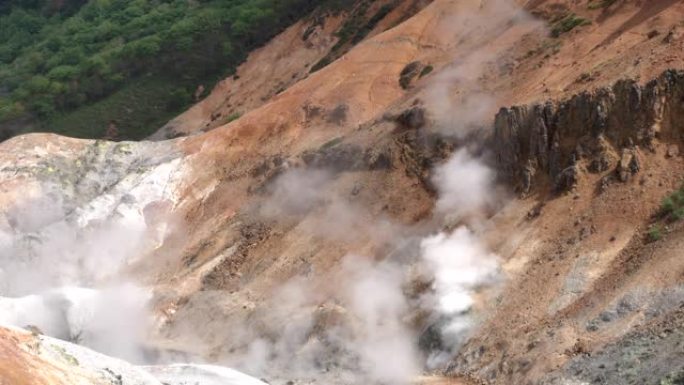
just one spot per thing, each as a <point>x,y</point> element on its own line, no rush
<point>77,67</point>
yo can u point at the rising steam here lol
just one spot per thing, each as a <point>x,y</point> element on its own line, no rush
<point>63,271</point>
<point>465,186</point>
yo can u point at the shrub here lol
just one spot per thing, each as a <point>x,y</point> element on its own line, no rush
<point>667,206</point>
<point>10,110</point>
<point>145,47</point>
<point>178,98</point>
<point>601,4</point>
<point>567,24</point>
<point>232,117</point>
<point>426,71</point>
<point>64,72</point>
<point>409,73</point>
<point>672,206</point>
<point>321,63</point>
<point>678,214</point>
<point>332,143</point>
<point>655,233</point>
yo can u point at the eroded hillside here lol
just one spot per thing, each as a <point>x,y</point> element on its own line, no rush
<point>383,217</point>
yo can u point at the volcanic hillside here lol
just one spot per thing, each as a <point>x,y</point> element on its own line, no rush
<point>300,221</point>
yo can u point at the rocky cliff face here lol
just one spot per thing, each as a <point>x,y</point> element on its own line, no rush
<point>594,296</point>
<point>596,130</point>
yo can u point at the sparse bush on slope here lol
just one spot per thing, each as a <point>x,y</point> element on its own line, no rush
<point>672,206</point>
<point>355,29</point>
<point>671,210</point>
<point>598,4</point>
<point>567,24</point>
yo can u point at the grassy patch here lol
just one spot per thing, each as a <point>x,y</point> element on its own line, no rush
<point>655,233</point>
<point>671,210</point>
<point>321,63</point>
<point>601,4</point>
<point>672,206</point>
<point>567,24</point>
<point>233,117</point>
<point>549,47</point>
<point>409,73</point>
<point>426,71</point>
<point>332,143</point>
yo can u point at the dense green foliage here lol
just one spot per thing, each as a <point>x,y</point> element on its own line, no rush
<point>63,57</point>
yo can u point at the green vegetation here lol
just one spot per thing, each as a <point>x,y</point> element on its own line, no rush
<point>74,66</point>
<point>332,143</point>
<point>655,232</point>
<point>233,117</point>
<point>672,206</point>
<point>549,47</point>
<point>567,24</point>
<point>355,29</point>
<point>409,73</point>
<point>601,4</point>
<point>426,70</point>
<point>671,210</point>
<point>137,109</point>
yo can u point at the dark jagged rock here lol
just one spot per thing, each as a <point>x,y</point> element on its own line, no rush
<point>567,179</point>
<point>629,165</point>
<point>545,140</point>
<point>338,115</point>
<point>413,118</point>
<point>419,152</point>
<point>348,157</point>
<point>338,157</point>
<point>409,73</point>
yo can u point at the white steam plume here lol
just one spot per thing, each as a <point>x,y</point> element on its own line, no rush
<point>295,193</point>
<point>465,186</point>
<point>345,327</point>
<point>65,272</point>
<point>369,338</point>
<point>385,344</point>
<point>460,104</point>
<point>299,191</point>
<point>460,265</point>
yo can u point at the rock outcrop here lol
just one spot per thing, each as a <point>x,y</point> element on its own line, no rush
<point>600,130</point>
